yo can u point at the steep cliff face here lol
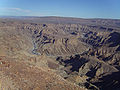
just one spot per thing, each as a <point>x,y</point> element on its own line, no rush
<point>108,49</point>
<point>86,70</point>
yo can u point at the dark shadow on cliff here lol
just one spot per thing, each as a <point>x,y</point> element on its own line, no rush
<point>109,82</point>
<point>76,62</point>
<point>114,39</point>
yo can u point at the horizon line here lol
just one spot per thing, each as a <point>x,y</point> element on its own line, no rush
<point>60,17</point>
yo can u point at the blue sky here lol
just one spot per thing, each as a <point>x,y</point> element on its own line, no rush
<point>66,8</point>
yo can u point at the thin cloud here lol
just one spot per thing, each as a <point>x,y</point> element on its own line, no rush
<point>18,12</point>
<point>15,10</point>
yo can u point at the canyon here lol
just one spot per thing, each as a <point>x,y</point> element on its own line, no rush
<point>49,53</point>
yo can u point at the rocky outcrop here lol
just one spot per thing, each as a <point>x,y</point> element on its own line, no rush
<point>90,69</point>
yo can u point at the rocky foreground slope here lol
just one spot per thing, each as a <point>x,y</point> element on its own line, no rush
<point>59,53</point>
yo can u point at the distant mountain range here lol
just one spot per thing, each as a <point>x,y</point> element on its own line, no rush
<point>67,20</point>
